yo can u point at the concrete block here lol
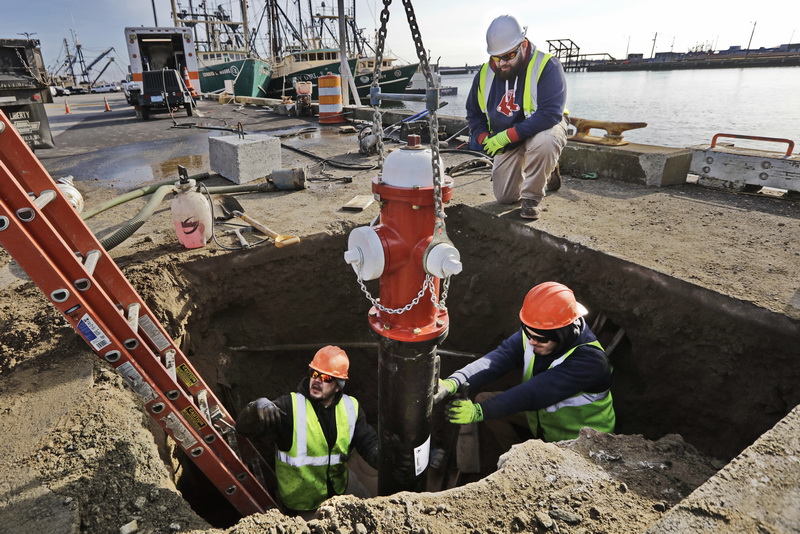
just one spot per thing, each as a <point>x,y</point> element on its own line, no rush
<point>244,160</point>
<point>642,164</point>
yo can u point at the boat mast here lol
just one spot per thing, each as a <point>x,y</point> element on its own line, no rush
<point>245,27</point>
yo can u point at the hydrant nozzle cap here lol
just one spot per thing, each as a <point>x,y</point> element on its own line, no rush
<point>443,261</point>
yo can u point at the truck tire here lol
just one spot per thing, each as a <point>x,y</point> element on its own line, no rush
<point>145,113</point>
<point>189,111</point>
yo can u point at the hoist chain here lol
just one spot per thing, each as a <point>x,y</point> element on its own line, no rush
<point>439,230</point>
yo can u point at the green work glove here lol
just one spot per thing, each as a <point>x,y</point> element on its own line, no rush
<point>494,145</point>
<point>444,389</point>
<point>464,412</point>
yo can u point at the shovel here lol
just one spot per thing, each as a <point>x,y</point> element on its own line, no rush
<point>232,208</point>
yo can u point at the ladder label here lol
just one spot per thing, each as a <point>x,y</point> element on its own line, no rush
<point>179,431</point>
<point>151,330</point>
<point>137,383</point>
<point>96,337</point>
<point>194,418</point>
<point>186,375</point>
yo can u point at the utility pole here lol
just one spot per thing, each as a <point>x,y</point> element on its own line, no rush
<point>652,52</point>
<point>751,39</point>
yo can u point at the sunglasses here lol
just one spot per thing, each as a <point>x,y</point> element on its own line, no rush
<point>507,57</point>
<point>533,335</point>
<point>322,377</point>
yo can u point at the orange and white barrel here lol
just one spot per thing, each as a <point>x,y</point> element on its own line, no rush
<point>330,99</point>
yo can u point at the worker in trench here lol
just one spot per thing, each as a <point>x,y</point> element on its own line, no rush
<point>316,430</point>
<point>516,113</point>
<point>566,376</point>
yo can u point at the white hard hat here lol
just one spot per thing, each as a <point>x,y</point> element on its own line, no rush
<point>503,35</point>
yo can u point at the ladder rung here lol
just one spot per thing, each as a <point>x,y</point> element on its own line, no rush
<point>45,198</point>
<point>92,257</point>
<point>133,315</point>
<point>202,402</point>
<point>169,363</point>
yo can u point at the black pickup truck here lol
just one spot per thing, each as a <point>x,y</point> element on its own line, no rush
<point>24,90</point>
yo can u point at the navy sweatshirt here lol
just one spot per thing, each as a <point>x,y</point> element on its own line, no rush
<point>551,101</point>
<point>586,369</point>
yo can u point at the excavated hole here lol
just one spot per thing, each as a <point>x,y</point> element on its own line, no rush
<point>684,356</point>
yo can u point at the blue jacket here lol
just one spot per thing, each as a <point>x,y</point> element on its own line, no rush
<point>587,369</point>
<point>550,104</point>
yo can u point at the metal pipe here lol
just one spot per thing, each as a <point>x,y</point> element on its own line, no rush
<point>406,373</point>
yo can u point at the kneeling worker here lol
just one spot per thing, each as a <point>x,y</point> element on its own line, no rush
<point>566,375</point>
<point>316,429</point>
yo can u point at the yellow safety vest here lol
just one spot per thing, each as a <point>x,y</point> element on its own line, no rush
<point>563,420</point>
<point>303,471</point>
<point>536,64</point>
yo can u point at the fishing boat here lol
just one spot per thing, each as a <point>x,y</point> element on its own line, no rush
<point>227,60</point>
<point>419,85</point>
<point>315,51</point>
<point>304,65</point>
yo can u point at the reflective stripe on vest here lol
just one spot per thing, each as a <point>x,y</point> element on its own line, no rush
<point>303,470</point>
<point>537,63</point>
<point>564,419</point>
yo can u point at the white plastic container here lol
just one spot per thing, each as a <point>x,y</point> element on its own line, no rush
<point>191,215</point>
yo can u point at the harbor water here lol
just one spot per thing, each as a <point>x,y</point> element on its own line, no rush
<point>682,108</point>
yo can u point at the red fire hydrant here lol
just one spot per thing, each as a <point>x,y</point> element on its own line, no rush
<point>397,250</point>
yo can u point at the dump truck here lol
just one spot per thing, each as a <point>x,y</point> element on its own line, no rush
<point>160,59</point>
<point>24,89</point>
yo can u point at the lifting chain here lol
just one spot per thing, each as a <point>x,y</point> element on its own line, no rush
<point>439,230</point>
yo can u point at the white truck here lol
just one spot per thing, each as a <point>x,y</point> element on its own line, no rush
<point>161,59</point>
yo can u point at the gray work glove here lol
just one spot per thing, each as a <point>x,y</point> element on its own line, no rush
<point>444,389</point>
<point>268,413</point>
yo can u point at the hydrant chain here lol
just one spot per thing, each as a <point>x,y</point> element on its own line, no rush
<point>428,281</point>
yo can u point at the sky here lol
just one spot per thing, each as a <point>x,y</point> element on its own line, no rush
<point>453,30</point>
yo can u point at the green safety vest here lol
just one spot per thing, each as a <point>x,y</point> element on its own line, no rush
<point>563,420</point>
<point>304,469</point>
<point>536,64</point>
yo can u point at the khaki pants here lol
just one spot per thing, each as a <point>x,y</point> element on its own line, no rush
<point>523,171</point>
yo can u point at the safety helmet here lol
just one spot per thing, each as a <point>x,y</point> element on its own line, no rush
<point>331,360</point>
<point>549,306</point>
<point>503,35</point>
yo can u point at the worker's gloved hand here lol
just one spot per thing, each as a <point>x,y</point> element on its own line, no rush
<point>444,389</point>
<point>496,144</point>
<point>268,413</point>
<point>464,412</point>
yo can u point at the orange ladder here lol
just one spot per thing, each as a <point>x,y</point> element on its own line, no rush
<point>46,236</point>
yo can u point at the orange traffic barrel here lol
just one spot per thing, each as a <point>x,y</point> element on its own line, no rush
<point>330,99</point>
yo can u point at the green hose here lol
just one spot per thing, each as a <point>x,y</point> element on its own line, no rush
<point>136,193</point>
<point>139,219</point>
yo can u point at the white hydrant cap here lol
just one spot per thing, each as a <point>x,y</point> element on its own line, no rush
<point>365,253</point>
<point>443,261</point>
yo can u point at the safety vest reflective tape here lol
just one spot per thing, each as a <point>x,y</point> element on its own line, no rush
<point>564,419</point>
<point>303,471</point>
<point>536,64</point>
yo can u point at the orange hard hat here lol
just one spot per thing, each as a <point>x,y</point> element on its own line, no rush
<point>549,306</point>
<point>331,360</point>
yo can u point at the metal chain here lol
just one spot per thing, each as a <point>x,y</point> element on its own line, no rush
<point>428,282</point>
<point>439,226</point>
<point>377,119</point>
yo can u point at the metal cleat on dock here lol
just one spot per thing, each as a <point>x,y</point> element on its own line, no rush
<point>614,131</point>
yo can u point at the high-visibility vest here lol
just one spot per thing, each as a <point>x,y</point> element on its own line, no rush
<point>563,420</point>
<point>536,64</point>
<point>303,471</point>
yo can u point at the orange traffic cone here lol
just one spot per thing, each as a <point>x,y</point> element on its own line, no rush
<point>66,107</point>
<point>105,100</point>
<point>188,82</point>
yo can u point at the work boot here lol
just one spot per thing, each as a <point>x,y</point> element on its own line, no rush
<point>530,209</point>
<point>554,181</point>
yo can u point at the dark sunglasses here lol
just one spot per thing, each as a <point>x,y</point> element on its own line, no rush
<point>322,377</point>
<point>507,57</point>
<point>533,335</point>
